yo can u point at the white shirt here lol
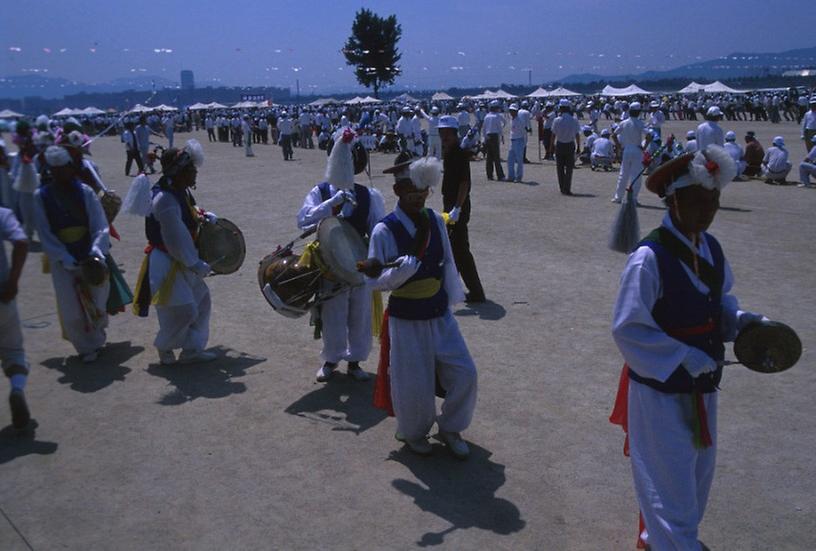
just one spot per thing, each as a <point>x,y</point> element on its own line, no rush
<point>691,146</point>
<point>656,119</point>
<point>404,127</point>
<point>565,127</point>
<point>811,157</point>
<point>383,247</point>
<point>776,158</point>
<point>10,230</point>
<point>648,350</point>
<point>630,133</point>
<point>285,126</point>
<point>709,132</point>
<point>525,117</point>
<point>734,150</point>
<point>315,209</point>
<point>463,118</point>
<point>517,128</point>
<point>493,124</point>
<point>602,147</point>
<point>808,122</point>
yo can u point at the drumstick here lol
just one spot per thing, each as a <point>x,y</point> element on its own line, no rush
<point>372,267</point>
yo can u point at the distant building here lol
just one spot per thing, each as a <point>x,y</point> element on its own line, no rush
<point>187,82</point>
<point>800,73</point>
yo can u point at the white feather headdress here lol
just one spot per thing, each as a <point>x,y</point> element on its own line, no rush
<point>713,168</point>
<point>426,172</point>
<point>340,166</point>
<point>196,152</point>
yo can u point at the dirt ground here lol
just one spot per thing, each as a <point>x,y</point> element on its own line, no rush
<point>248,452</point>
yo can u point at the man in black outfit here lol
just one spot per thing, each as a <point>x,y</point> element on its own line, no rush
<point>456,202</point>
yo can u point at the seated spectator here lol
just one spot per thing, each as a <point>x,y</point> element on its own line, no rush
<point>754,153</point>
<point>735,151</point>
<point>807,168</point>
<point>775,164</point>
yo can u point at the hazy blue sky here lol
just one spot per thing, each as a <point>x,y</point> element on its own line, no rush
<point>475,43</point>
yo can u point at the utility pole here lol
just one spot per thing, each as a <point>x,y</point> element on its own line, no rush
<point>529,77</point>
<point>297,87</point>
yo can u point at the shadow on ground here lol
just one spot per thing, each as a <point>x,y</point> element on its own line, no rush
<point>487,310</point>
<point>208,380</point>
<point>460,492</point>
<point>107,369</point>
<point>14,444</point>
<point>342,403</point>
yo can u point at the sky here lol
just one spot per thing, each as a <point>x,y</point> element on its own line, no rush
<point>444,43</point>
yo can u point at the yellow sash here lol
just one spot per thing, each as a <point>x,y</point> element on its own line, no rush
<point>162,296</point>
<point>72,234</point>
<point>418,289</point>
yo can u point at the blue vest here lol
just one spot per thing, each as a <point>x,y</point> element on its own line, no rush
<point>432,266</point>
<point>686,314</point>
<point>359,216</point>
<point>153,227</point>
<point>65,211</point>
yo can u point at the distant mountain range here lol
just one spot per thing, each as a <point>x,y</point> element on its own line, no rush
<point>736,65</point>
<point>16,87</point>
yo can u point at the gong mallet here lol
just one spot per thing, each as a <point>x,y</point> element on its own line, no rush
<point>372,267</point>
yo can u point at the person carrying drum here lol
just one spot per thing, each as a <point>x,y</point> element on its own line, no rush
<point>172,274</point>
<point>673,313</point>
<point>346,317</point>
<point>75,236</point>
<point>422,346</point>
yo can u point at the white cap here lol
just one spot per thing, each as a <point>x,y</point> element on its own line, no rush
<point>513,107</point>
<point>448,121</point>
<point>635,106</point>
<point>564,103</point>
<point>605,132</point>
<point>730,136</point>
<point>812,100</point>
<point>434,109</point>
<point>778,141</point>
<point>494,103</point>
<point>655,103</point>
<point>691,135</point>
<point>713,111</point>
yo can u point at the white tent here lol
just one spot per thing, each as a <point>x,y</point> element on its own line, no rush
<point>538,93</point>
<point>92,111</point>
<point>718,87</point>
<point>441,96</point>
<point>216,105</point>
<point>198,106</point>
<point>487,94</point>
<point>354,101</point>
<point>369,99</point>
<point>631,90</point>
<point>404,98</point>
<point>66,112</point>
<point>139,108</point>
<point>9,114</point>
<point>324,101</point>
<point>562,92</point>
<point>692,88</point>
<point>501,94</point>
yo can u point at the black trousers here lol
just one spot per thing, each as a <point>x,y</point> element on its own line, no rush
<point>133,155</point>
<point>210,134</point>
<point>460,247</point>
<point>286,145</point>
<point>564,163</point>
<point>546,137</point>
<point>493,157</point>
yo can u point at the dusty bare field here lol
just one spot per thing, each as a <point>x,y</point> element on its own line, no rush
<point>249,453</point>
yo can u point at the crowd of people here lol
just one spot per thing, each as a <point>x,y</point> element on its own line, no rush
<point>51,187</point>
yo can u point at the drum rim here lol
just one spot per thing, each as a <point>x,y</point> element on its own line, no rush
<point>230,226</point>
<point>330,261</point>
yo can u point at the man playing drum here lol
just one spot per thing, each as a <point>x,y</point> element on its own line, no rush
<point>172,274</point>
<point>346,317</point>
<point>422,343</point>
<point>672,315</point>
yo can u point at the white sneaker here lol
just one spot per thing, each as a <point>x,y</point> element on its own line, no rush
<point>454,442</point>
<point>325,372</point>
<point>615,200</point>
<point>196,356</point>
<point>166,357</point>
<point>90,357</point>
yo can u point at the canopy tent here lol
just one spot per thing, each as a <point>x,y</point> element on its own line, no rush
<point>692,88</point>
<point>91,111</point>
<point>715,87</point>
<point>320,102</point>
<point>369,99</point>
<point>66,112</point>
<point>487,94</point>
<point>562,92</point>
<point>441,96</point>
<point>9,114</point>
<point>244,105</point>
<point>538,93</point>
<point>139,108</point>
<point>354,101</point>
<point>631,90</point>
<point>198,106</point>
<point>501,94</point>
<point>405,98</point>
<point>216,105</point>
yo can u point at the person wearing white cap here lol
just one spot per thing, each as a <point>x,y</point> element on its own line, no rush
<point>526,118</point>
<point>74,231</point>
<point>629,136</point>
<point>691,142</point>
<point>809,123</point>
<point>493,131</point>
<point>405,131</point>
<point>807,168</point>
<point>548,117</point>
<point>775,164</point>
<point>670,321</point>
<point>246,128</point>
<point>656,117</point>
<point>346,317</point>
<point>603,151</point>
<point>515,155</point>
<point>416,127</point>
<point>709,131</point>
<point>434,145</point>
<point>735,151</point>
<point>463,119</point>
<point>423,352</point>
<point>286,128</point>
<point>566,137</point>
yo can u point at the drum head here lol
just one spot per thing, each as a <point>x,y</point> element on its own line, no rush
<point>222,246</point>
<point>768,347</point>
<point>341,247</point>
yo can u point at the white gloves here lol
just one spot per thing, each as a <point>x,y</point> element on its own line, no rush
<point>453,215</point>
<point>338,199</point>
<point>402,273</point>
<point>746,318</point>
<point>200,268</point>
<point>210,217</point>
<point>698,362</point>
